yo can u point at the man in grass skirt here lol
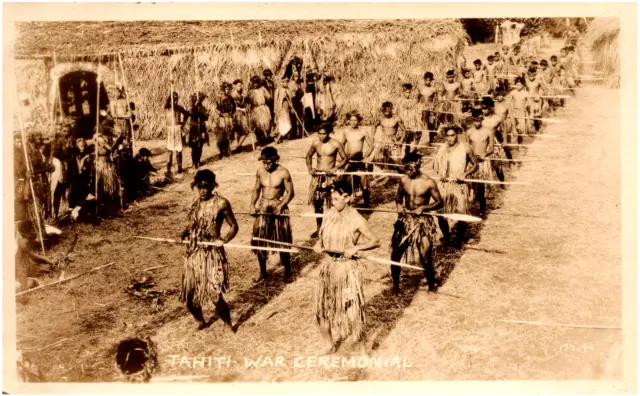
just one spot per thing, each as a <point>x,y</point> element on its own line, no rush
<point>353,139</point>
<point>323,174</point>
<point>272,192</point>
<point>205,275</point>
<point>339,300</point>
<point>414,234</point>
<point>453,163</point>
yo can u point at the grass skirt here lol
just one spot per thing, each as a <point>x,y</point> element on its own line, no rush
<point>455,197</point>
<point>276,228</point>
<point>485,171</point>
<point>339,298</point>
<point>224,128</point>
<point>261,120</point>
<point>174,138</point>
<point>417,227</point>
<point>108,181</point>
<point>521,125</point>
<point>320,189</point>
<point>450,106</point>
<point>205,275</point>
<point>355,180</point>
<point>241,123</point>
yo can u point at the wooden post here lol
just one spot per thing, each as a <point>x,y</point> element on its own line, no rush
<point>126,97</point>
<point>58,87</point>
<point>29,169</point>
<point>173,114</point>
<point>95,140</point>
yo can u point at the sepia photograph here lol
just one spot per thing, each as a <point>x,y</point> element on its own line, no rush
<point>356,193</point>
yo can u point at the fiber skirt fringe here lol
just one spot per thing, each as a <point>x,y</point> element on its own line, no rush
<point>320,189</point>
<point>108,181</point>
<point>386,153</point>
<point>275,228</point>
<point>174,138</point>
<point>205,275</point>
<point>339,298</point>
<point>224,128</point>
<point>355,180</point>
<point>455,197</point>
<point>242,122</point>
<point>450,106</point>
<point>521,125</point>
<point>125,126</point>
<point>261,119</point>
<point>416,228</point>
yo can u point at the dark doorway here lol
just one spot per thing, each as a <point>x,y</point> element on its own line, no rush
<point>78,94</point>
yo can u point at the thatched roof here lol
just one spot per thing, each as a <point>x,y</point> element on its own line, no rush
<point>603,38</point>
<point>74,39</point>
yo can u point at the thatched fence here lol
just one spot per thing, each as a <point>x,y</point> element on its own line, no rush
<point>602,38</point>
<point>368,59</point>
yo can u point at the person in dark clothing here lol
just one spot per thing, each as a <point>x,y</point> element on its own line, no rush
<point>198,136</point>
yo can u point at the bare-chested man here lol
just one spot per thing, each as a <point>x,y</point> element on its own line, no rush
<point>415,233</point>
<point>536,85</point>
<point>410,114</point>
<point>515,62</point>
<point>492,122</point>
<point>453,163</point>
<point>492,70</point>
<point>393,133</point>
<point>428,97</point>
<point>272,192</point>
<point>520,109</point>
<point>449,97</point>
<point>481,141</point>
<point>353,139</point>
<point>479,77</point>
<point>323,174</point>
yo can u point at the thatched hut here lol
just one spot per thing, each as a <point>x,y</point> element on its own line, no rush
<point>368,58</point>
<point>602,38</point>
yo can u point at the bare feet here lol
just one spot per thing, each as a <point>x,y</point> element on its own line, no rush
<point>263,276</point>
<point>288,276</point>
<point>331,350</point>
<point>364,351</point>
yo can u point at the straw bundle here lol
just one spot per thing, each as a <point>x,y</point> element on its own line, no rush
<point>602,37</point>
<point>364,56</point>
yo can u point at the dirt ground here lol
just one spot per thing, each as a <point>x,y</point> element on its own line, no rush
<point>548,252</point>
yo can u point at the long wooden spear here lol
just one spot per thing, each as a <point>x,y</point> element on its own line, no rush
<point>371,258</point>
<point>522,145</point>
<point>126,96</point>
<point>452,216</point>
<point>95,143</point>
<point>67,279</point>
<point>230,245</point>
<point>398,175</point>
<point>59,88</point>
<point>551,120</point>
<point>29,171</point>
<point>539,135</point>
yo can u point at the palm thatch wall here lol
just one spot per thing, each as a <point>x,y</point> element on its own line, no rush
<point>368,58</point>
<point>602,37</point>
